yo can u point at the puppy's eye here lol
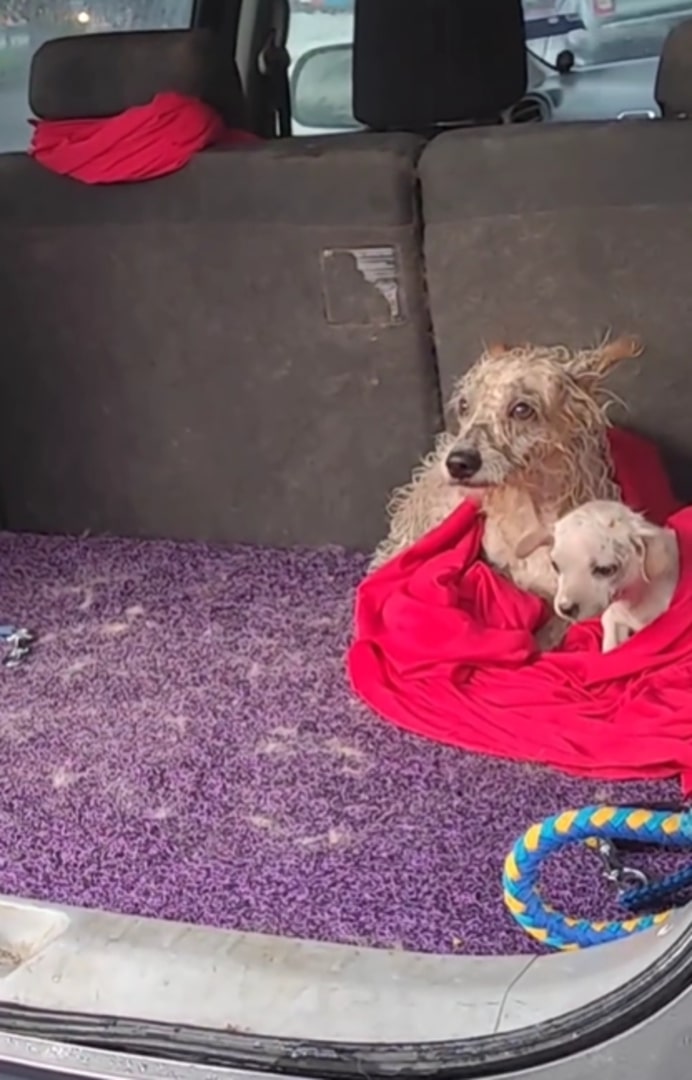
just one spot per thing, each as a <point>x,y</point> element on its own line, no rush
<point>521,410</point>
<point>462,406</point>
<point>554,565</point>
<point>607,571</point>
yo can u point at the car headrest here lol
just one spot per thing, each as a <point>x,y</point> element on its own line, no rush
<point>418,64</point>
<point>92,76</point>
<point>674,79</point>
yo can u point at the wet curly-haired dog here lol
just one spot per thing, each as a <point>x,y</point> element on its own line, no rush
<point>529,444</point>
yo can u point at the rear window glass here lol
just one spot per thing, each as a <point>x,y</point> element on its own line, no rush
<point>25,24</point>
<point>614,47</point>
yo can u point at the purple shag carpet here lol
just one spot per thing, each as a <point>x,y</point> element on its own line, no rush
<point>183,744</point>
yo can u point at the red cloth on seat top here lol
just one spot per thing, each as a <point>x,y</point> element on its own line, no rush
<point>443,647</point>
<point>141,143</point>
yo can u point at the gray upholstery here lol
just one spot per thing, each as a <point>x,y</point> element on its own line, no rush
<point>202,356</point>
<point>674,77</point>
<point>557,233</point>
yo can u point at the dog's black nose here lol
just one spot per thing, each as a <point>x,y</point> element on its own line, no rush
<point>568,611</point>
<point>463,464</point>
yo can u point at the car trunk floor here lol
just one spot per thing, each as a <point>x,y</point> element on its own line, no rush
<point>183,744</point>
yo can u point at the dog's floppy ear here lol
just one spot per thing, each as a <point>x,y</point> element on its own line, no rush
<point>644,550</point>
<point>531,541</point>
<point>649,544</point>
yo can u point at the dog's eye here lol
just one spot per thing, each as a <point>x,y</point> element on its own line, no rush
<point>521,410</point>
<point>462,406</point>
<point>610,570</point>
<point>554,565</point>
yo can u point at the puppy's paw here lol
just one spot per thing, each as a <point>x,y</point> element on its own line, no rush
<point>614,634</point>
<point>611,631</point>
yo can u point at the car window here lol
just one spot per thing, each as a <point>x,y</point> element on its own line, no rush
<point>25,24</point>
<point>588,59</point>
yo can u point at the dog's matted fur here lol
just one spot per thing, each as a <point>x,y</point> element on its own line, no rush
<point>529,445</point>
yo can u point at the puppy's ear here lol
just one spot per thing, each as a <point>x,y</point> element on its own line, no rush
<point>640,550</point>
<point>533,540</point>
<point>650,547</point>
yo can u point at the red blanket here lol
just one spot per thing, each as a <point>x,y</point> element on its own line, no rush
<point>139,144</point>
<point>444,648</point>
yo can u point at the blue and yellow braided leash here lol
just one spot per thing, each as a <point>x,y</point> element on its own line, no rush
<point>591,825</point>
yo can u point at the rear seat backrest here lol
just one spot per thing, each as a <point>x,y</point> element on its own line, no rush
<point>237,352</point>
<point>559,233</point>
<point>240,351</point>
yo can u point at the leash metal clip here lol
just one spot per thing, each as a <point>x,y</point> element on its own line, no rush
<point>615,870</point>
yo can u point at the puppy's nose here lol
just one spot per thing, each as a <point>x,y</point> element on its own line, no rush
<point>568,610</point>
<point>463,464</point>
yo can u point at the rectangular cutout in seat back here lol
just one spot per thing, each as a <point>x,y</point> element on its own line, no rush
<point>362,286</point>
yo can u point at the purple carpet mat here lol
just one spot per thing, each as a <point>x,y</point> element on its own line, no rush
<point>183,744</point>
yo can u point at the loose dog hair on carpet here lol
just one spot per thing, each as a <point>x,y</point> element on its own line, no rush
<point>528,443</point>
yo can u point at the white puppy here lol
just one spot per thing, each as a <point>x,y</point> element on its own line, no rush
<point>610,562</point>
